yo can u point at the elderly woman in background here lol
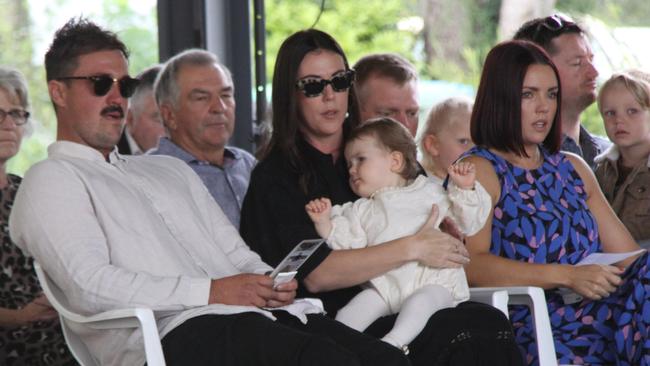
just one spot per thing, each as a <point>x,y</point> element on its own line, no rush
<point>29,329</point>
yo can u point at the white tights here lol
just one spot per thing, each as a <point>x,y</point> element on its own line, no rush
<point>416,310</point>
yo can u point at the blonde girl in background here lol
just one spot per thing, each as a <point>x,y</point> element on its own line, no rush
<point>446,135</point>
<point>623,170</point>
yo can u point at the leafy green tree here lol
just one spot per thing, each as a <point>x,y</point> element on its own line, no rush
<point>139,32</point>
<point>629,13</point>
<point>17,40</point>
<point>361,27</point>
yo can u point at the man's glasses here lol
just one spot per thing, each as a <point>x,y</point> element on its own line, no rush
<point>553,23</point>
<point>313,87</point>
<point>20,116</point>
<point>102,84</point>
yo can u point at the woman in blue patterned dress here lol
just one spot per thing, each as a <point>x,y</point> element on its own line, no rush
<point>548,214</point>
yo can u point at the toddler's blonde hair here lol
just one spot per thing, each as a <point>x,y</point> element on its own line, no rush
<point>635,81</point>
<point>440,118</point>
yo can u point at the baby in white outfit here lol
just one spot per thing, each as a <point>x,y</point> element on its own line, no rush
<point>396,202</point>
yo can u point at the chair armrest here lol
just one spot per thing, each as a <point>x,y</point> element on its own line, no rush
<point>120,318</point>
<point>495,296</point>
<point>129,318</point>
<point>534,298</point>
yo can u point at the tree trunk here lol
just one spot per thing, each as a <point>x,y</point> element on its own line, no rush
<point>514,13</point>
<point>445,23</point>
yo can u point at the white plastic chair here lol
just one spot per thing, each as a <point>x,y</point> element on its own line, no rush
<point>534,298</point>
<point>121,318</point>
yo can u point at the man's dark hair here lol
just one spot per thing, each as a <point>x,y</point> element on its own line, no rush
<point>78,37</point>
<point>542,31</point>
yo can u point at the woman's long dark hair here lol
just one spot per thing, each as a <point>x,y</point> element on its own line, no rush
<point>286,112</point>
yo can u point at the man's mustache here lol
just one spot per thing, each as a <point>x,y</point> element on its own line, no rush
<point>113,109</point>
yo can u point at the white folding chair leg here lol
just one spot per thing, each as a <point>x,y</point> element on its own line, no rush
<point>534,298</point>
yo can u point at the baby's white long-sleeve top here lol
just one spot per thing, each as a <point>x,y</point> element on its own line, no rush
<point>395,212</point>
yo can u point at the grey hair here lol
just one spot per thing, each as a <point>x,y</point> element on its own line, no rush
<point>166,87</point>
<point>14,83</point>
<point>145,87</point>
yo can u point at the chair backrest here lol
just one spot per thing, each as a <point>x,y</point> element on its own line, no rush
<point>60,302</point>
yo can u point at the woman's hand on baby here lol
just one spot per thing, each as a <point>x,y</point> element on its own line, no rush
<point>319,209</point>
<point>437,249</point>
<point>594,281</point>
<point>463,174</point>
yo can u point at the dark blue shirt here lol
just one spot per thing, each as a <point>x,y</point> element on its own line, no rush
<point>227,183</point>
<point>589,146</point>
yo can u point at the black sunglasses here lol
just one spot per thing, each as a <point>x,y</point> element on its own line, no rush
<point>102,84</point>
<point>313,87</point>
<point>553,23</point>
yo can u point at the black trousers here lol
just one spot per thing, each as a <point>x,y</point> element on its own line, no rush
<point>471,334</point>
<point>253,339</point>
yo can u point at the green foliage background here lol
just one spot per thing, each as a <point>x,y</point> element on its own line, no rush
<point>361,27</point>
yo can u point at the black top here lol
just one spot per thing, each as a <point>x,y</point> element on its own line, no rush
<point>273,217</point>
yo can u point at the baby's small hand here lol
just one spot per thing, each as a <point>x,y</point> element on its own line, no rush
<point>463,174</point>
<point>319,205</point>
<point>318,209</point>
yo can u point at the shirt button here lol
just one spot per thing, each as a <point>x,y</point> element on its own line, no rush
<point>640,189</point>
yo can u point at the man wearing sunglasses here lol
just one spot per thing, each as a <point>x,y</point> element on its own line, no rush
<point>143,123</point>
<point>116,231</point>
<point>567,44</point>
<point>195,93</point>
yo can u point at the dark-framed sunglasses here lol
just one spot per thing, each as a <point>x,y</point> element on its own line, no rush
<point>553,23</point>
<point>102,84</point>
<point>20,116</point>
<point>312,87</point>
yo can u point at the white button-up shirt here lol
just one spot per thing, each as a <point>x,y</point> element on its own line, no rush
<point>133,231</point>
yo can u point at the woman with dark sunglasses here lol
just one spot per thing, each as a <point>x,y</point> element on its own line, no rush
<point>314,108</point>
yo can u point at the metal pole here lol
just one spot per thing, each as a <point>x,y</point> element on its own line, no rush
<point>260,65</point>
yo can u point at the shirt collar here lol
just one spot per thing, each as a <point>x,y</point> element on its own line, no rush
<point>612,154</point>
<point>77,150</point>
<point>168,147</point>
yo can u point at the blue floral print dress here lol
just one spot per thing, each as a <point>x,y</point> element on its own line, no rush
<point>542,217</point>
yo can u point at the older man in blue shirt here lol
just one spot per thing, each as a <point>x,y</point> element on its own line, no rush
<point>195,94</point>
